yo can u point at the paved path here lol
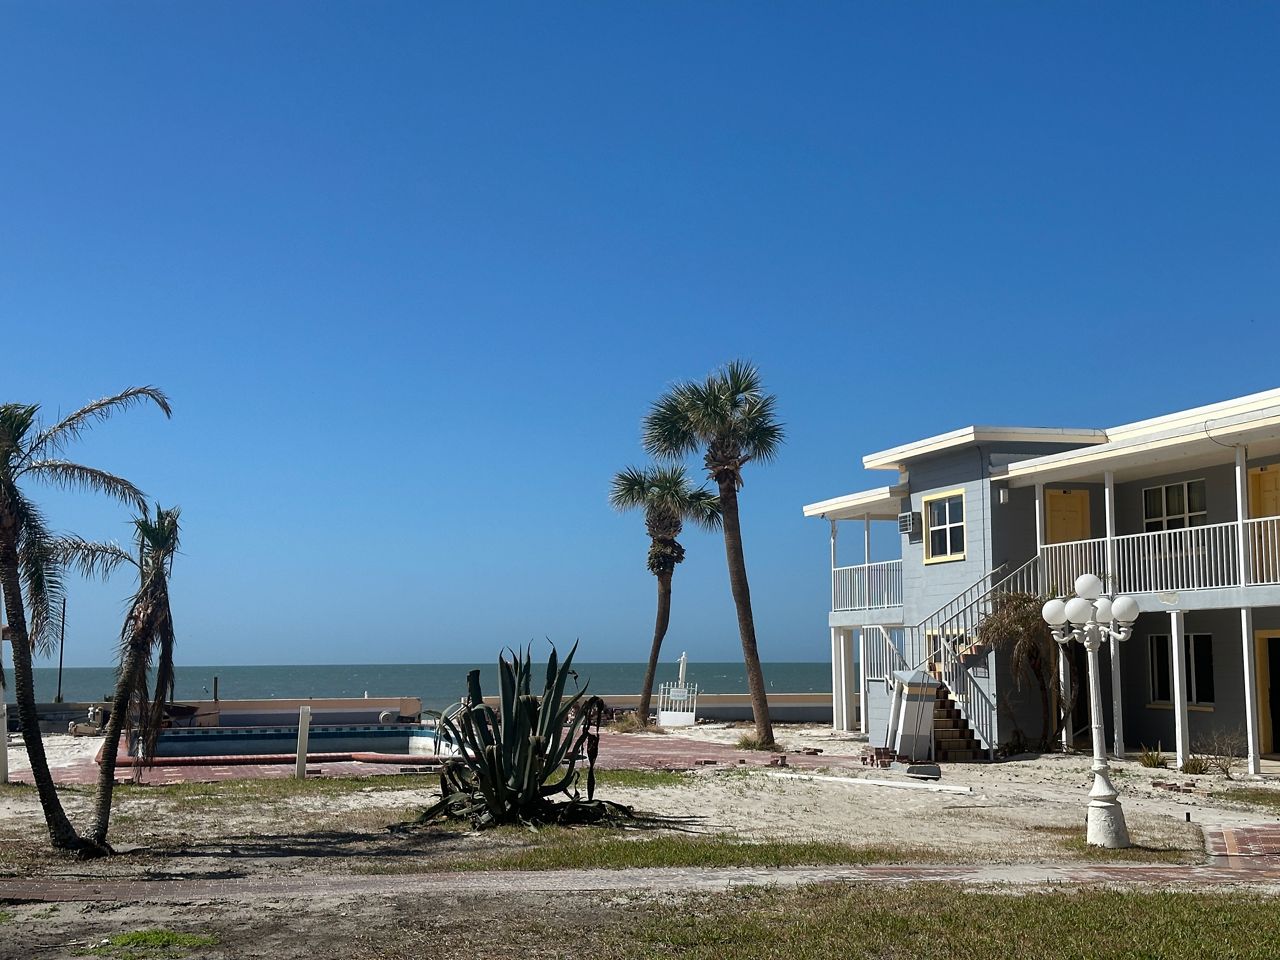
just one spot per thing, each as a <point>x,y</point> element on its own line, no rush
<point>1249,857</point>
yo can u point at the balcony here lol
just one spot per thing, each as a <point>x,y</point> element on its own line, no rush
<point>868,586</point>
<point>1194,558</point>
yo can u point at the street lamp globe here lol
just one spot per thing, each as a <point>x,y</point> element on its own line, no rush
<point>1079,611</point>
<point>1102,610</point>
<point>1088,586</point>
<point>1054,613</point>
<point>1124,609</point>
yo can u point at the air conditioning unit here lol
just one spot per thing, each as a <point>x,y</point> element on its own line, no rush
<point>908,523</point>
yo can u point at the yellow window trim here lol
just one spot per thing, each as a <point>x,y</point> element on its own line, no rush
<point>924,515</point>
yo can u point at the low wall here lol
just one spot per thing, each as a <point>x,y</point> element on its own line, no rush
<point>54,717</point>
<point>783,707</point>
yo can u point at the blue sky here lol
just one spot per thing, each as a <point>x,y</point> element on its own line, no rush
<point>412,272</point>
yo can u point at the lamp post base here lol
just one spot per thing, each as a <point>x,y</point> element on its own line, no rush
<point>1106,826</point>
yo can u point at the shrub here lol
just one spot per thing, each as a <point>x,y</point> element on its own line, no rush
<point>1223,750</point>
<point>1152,758</point>
<point>1196,766</point>
<point>749,741</point>
<point>630,723</point>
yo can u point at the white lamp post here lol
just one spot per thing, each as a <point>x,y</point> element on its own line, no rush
<point>1090,618</point>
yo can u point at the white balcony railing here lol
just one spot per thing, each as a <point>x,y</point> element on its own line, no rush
<point>1195,558</point>
<point>869,586</point>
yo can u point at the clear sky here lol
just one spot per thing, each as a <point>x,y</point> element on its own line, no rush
<point>411,273</point>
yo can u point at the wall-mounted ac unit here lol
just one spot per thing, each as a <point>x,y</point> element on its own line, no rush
<point>908,523</point>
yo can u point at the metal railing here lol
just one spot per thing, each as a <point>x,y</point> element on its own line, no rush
<point>868,586</point>
<point>1263,539</point>
<point>1195,558</point>
<point>1061,563</point>
<point>883,657</point>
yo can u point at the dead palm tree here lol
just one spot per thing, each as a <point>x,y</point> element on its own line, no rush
<point>668,499</point>
<point>147,632</point>
<point>30,574</point>
<point>731,419</point>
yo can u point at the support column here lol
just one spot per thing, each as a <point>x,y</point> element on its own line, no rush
<point>1242,514</point>
<point>1253,749</point>
<point>866,539</point>
<point>1039,516</point>
<point>1064,687</point>
<point>834,533</point>
<point>1177,633</point>
<point>851,685</point>
<point>837,694</point>
<point>1109,502</point>
<point>863,686</point>
<point>1117,701</point>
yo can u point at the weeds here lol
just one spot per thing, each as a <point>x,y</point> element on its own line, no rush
<point>1152,758</point>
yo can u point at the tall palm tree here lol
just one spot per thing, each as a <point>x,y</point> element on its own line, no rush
<point>147,631</point>
<point>28,556</point>
<point>731,419</point>
<point>668,499</point>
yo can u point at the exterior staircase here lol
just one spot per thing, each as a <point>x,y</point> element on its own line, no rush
<point>953,740</point>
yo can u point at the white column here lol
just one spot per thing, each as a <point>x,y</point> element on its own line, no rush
<point>1109,501</point>
<point>837,695</point>
<point>1117,701</point>
<point>862,681</point>
<point>1064,687</point>
<point>1252,747</point>
<point>834,531</point>
<point>304,730</point>
<point>1039,516</point>
<point>1177,632</point>
<point>866,539</point>
<point>851,686</point>
<point>1242,514</point>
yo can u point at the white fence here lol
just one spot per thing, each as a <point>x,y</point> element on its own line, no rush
<point>869,586</point>
<point>677,704</point>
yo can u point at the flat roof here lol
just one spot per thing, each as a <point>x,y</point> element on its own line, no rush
<point>895,457</point>
<point>882,503</point>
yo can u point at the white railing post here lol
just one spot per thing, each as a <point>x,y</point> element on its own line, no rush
<point>863,687</point>
<point>304,732</point>
<point>837,695</point>
<point>1242,513</point>
<point>834,530</point>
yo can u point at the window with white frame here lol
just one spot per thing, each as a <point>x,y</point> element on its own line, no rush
<point>1175,506</point>
<point>1197,659</point>
<point>944,526</point>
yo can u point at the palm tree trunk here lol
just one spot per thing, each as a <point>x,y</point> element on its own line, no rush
<point>125,684</point>
<point>742,601</point>
<point>61,834</point>
<point>659,631</point>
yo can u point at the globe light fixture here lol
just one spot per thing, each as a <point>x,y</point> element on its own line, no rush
<point>1090,618</point>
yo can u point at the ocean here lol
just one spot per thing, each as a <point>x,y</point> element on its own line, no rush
<point>438,684</point>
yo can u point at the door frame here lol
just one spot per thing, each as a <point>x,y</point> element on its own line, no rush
<point>1049,494</point>
<point>1255,482</point>
<point>1262,676</point>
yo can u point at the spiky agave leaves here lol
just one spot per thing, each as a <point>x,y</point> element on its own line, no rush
<point>512,760</point>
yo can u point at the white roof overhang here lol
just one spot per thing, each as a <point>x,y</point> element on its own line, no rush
<point>1154,448</point>
<point>896,458</point>
<point>882,503</point>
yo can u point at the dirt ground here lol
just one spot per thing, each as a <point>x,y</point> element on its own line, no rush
<point>1008,812</point>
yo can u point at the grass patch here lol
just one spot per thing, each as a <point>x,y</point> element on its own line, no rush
<point>5,917</point>
<point>935,921</point>
<point>570,850</point>
<point>240,792</point>
<point>639,779</point>
<point>750,741</point>
<point>1071,840</point>
<point>140,944</point>
<point>1253,796</point>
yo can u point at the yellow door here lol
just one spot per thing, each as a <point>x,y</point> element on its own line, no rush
<point>1264,501</point>
<point>1267,652</point>
<point>1067,515</point>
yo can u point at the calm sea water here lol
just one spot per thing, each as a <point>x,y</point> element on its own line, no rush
<point>438,684</point>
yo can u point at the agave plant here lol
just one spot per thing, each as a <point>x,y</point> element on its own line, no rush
<point>510,762</point>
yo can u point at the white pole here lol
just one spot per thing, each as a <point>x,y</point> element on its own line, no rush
<point>1177,642</point>
<point>1064,689</point>
<point>1105,826</point>
<point>1250,691</point>
<point>850,685</point>
<point>1039,517</point>
<point>4,741</point>
<point>304,731</point>
<point>1242,513</point>
<point>862,680</point>
<point>866,539</point>
<point>834,532</point>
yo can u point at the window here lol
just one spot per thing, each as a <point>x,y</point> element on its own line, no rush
<point>1197,659</point>
<point>944,526</point>
<point>1175,506</point>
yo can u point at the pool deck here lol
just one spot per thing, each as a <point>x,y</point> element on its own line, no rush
<point>617,752</point>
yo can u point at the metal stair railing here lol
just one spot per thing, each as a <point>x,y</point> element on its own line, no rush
<point>883,657</point>
<point>949,633</point>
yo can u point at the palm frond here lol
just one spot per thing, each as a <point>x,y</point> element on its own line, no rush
<point>629,489</point>
<point>91,558</point>
<point>70,427</point>
<point>76,476</point>
<point>16,419</point>
<point>41,576</point>
<point>667,429</point>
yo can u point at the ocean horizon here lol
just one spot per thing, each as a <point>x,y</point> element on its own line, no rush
<point>438,684</point>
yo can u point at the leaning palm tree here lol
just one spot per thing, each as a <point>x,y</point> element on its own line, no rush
<point>147,632</point>
<point>30,574</point>
<point>731,419</point>
<point>668,499</point>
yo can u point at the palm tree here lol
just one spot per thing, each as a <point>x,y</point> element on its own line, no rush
<point>668,500</point>
<point>730,418</point>
<point>28,556</point>
<point>147,630</point>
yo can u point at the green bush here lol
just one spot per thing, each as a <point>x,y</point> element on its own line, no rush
<point>1152,758</point>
